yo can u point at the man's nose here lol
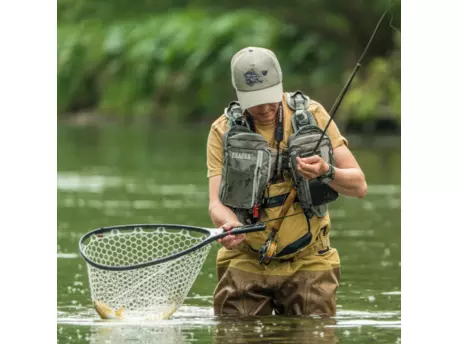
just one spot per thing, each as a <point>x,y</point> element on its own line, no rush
<point>264,107</point>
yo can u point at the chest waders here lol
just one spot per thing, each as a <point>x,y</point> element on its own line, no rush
<point>248,167</point>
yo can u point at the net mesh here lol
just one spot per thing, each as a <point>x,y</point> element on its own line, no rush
<point>153,291</point>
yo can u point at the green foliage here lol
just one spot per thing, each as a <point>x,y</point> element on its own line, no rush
<point>378,92</point>
<point>166,60</point>
<point>171,60</point>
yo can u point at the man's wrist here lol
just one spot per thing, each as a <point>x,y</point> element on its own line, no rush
<point>328,176</point>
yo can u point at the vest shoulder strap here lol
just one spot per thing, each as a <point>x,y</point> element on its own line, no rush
<point>299,103</point>
<point>234,115</point>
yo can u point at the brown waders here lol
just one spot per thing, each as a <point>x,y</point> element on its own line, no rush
<point>304,284</point>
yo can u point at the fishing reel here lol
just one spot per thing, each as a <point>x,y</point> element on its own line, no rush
<point>268,250</point>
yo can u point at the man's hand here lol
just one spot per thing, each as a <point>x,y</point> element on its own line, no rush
<point>230,241</point>
<point>311,167</point>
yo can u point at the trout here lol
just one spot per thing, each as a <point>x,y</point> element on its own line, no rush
<point>106,312</point>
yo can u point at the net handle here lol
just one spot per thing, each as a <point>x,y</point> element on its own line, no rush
<point>212,236</point>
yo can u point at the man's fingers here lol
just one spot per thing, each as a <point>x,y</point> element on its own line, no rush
<point>302,165</point>
<point>311,159</point>
<point>227,239</point>
<point>307,174</point>
<point>234,242</point>
<point>231,241</point>
<point>229,225</point>
<point>308,170</point>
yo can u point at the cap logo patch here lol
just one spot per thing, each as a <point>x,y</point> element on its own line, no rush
<point>251,77</point>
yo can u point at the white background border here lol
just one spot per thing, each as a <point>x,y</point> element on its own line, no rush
<point>28,100</point>
<point>429,171</point>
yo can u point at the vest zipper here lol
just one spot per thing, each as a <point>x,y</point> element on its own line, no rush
<point>257,177</point>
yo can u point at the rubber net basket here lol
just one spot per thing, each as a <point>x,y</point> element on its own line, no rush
<point>155,290</point>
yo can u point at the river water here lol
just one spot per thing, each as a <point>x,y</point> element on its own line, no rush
<point>111,175</point>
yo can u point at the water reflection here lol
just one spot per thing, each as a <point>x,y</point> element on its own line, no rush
<point>198,324</point>
<point>281,330</point>
<point>138,334</point>
<point>298,330</point>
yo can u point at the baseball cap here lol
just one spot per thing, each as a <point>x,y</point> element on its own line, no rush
<point>256,77</point>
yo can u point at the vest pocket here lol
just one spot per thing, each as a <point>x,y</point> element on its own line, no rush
<point>246,168</point>
<point>245,176</point>
<point>239,189</point>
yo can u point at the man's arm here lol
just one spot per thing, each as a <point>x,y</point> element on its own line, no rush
<point>349,178</point>
<point>221,215</point>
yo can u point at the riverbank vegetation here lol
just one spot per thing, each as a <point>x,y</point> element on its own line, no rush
<point>170,61</point>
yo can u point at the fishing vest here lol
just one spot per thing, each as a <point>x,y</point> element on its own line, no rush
<point>248,162</point>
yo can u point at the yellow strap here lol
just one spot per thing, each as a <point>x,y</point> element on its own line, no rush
<point>275,226</point>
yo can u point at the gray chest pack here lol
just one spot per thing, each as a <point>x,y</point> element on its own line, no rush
<point>248,161</point>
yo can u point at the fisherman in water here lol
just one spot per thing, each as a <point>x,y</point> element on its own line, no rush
<point>264,163</point>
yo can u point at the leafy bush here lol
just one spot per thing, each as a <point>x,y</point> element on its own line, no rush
<point>378,91</point>
<point>169,60</point>
<point>174,64</point>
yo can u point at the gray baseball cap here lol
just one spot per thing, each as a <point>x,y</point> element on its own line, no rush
<point>256,77</point>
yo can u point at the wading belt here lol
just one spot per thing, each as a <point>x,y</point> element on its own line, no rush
<point>320,246</point>
<point>276,201</point>
<point>269,249</point>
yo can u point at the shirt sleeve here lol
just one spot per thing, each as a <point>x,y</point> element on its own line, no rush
<point>214,152</point>
<point>322,117</point>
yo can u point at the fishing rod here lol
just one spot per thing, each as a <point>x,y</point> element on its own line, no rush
<point>336,104</point>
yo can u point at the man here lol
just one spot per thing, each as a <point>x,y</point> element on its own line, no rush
<point>303,273</point>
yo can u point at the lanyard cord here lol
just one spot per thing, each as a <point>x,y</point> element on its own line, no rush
<point>278,138</point>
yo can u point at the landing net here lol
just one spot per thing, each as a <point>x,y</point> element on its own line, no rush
<point>154,290</point>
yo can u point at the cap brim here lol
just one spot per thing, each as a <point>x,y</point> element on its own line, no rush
<point>272,94</point>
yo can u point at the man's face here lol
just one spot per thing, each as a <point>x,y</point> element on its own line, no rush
<point>264,113</point>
